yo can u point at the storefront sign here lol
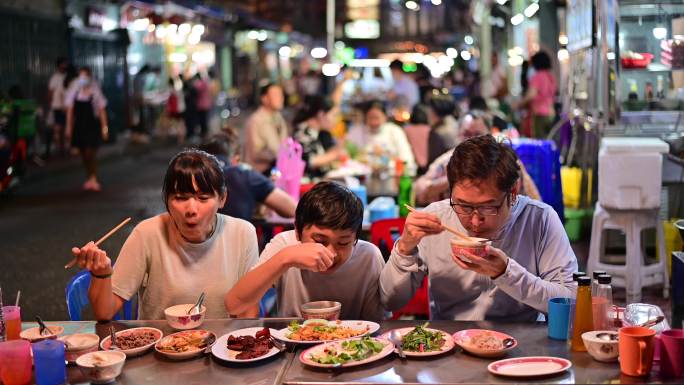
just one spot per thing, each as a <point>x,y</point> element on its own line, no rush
<point>362,29</point>
<point>580,22</point>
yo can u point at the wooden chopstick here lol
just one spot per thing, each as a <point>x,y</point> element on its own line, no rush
<point>445,227</point>
<point>104,238</point>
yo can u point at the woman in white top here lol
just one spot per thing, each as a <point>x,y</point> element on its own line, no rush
<point>86,122</point>
<point>173,257</point>
<point>378,137</point>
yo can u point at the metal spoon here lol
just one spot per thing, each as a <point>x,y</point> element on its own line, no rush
<point>397,340</point>
<point>112,338</point>
<point>210,343</point>
<point>508,342</point>
<point>279,345</point>
<point>43,327</point>
<point>197,305</point>
<point>607,336</point>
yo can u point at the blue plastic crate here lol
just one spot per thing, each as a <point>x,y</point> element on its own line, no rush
<point>542,161</point>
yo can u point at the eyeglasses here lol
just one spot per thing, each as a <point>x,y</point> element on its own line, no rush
<point>483,211</point>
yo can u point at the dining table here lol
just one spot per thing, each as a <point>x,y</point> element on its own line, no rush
<point>453,367</point>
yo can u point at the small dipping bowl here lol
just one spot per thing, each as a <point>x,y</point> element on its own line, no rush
<point>603,345</point>
<point>77,345</point>
<point>327,310</point>
<point>33,334</point>
<point>101,367</point>
<point>476,246</point>
<point>179,319</point>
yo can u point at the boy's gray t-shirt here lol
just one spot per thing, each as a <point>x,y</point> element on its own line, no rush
<point>355,284</point>
<point>166,270</point>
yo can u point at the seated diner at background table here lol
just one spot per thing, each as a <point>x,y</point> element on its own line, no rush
<point>246,187</point>
<point>321,259</point>
<point>171,258</point>
<point>378,137</point>
<point>530,259</point>
<point>434,185</point>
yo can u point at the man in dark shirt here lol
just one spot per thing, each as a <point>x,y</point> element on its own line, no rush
<point>246,187</point>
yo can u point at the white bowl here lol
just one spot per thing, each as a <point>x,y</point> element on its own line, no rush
<point>33,334</point>
<point>99,372</point>
<point>601,349</point>
<point>77,345</point>
<point>178,318</point>
<point>328,310</point>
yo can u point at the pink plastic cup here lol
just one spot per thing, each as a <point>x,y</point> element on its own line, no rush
<point>672,353</point>
<point>15,359</point>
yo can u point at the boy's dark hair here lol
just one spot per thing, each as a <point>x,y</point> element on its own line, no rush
<point>477,103</point>
<point>397,64</point>
<point>313,104</point>
<point>480,158</point>
<point>443,105</point>
<point>373,104</point>
<point>541,61</point>
<point>189,164</point>
<point>329,205</point>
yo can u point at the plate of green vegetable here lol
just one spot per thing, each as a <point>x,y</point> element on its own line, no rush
<point>347,353</point>
<point>421,341</point>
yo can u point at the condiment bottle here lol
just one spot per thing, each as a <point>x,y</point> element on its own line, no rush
<point>602,303</point>
<point>583,314</point>
<point>594,282</point>
<point>571,321</point>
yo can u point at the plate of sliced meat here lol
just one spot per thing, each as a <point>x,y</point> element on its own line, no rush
<point>245,345</point>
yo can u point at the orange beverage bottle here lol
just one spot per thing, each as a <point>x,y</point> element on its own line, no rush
<point>583,314</point>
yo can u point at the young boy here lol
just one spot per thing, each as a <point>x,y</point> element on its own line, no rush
<point>321,259</point>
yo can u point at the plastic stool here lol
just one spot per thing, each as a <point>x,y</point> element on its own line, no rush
<point>634,274</point>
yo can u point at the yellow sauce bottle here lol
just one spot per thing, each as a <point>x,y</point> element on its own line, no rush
<point>583,314</point>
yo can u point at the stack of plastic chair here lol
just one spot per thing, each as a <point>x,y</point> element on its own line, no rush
<point>382,236</point>
<point>77,297</point>
<point>542,161</point>
<point>630,176</point>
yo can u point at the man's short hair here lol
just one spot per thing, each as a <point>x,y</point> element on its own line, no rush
<point>397,64</point>
<point>264,89</point>
<point>480,158</point>
<point>329,205</point>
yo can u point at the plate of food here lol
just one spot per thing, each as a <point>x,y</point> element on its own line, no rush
<point>319,330</point>
<point>354,352</point>
<point>245,345</point>
<point>133,342</point>
<point>185,344</point>
<point>484,343</point>
<point>421,341</point>
<point>529,366</point>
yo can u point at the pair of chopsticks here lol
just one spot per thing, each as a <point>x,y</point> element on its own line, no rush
<point>104,238</point>
<point>450,229</point>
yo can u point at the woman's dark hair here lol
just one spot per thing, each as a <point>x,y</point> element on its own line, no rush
<point>477,103</point>
<point>443,105</point>
<point>419,115</point>
<point>71,74</point>
<point>313,104</point>
<point>373,105</point>
<point>329,205</point>
<point>195,164</point>
<point>541,61</point>
<point>524,81</point>
<point>483,157</point>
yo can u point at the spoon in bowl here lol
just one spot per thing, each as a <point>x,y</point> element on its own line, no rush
<point>397,340</point>
<point>508,342</point>
<point>197,305</point>
<point>44,330</point>
<point>112,339</point>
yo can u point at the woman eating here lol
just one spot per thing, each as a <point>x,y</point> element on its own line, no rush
<point>171,258</point>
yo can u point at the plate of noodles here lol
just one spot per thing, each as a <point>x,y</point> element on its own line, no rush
<point>484,343</point>
<point>317,331</point>
<point>185,344</point>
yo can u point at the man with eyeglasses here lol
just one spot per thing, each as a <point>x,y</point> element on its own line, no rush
<point>530,259</point>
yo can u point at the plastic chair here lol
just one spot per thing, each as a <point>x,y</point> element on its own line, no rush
<point>382,232</point>
<point>77,297</point>
<point>267,303</point>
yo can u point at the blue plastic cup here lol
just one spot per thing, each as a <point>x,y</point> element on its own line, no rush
<point>559,317</point>
<point>48,358</point>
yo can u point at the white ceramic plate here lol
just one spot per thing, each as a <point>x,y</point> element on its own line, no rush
<point>448,342</point>
<point>463,337</point>
<point>368,326</point>
<point>304,356</point>
<point>104,344</point>
<point>529,366</point>
<point>194,352</point>
<point>220,351</point>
